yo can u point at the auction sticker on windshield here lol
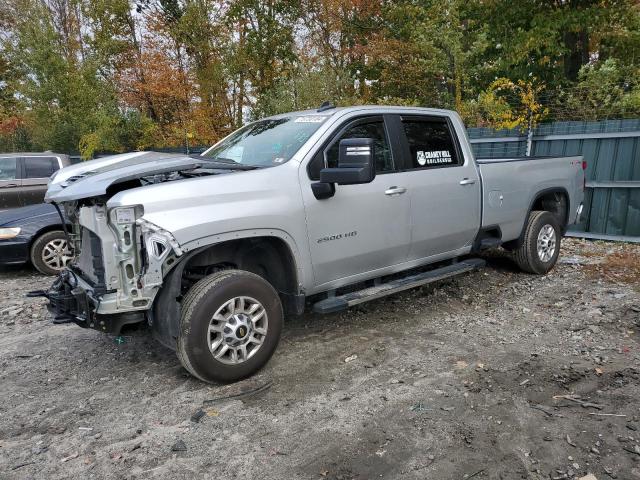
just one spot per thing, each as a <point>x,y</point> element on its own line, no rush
<point>311,119</point>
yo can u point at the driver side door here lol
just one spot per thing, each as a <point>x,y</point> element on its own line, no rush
<point>363,227</point>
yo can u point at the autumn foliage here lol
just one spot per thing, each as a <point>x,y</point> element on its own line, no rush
<point>117,75</point>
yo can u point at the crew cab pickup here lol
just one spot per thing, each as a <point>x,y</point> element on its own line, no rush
<point>324,209</point>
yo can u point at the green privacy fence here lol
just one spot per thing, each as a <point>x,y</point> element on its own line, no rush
<point>612,151</point>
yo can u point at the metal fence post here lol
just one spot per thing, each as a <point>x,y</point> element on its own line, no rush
<point>530,134</point>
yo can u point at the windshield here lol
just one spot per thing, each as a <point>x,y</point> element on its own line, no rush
<point>266,143</point>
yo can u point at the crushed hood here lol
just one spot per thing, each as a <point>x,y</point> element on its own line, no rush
<point>92,178</point>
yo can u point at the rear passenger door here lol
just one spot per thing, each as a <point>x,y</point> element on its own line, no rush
<point>35,177</point>
<point>9,183</point>
<point>444,187</point>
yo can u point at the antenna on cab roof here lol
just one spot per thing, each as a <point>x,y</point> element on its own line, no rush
<point>326,106</point>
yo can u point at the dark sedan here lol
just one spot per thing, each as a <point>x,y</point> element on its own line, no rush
<point>34,234</point>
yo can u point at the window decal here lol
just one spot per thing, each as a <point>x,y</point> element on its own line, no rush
<point>436,157</point>
<point>431,144</point>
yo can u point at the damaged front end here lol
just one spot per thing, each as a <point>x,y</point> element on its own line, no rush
<point>121,260</point>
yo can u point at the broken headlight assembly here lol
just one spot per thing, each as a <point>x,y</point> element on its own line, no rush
<point>158,241</point>
<point>161,249</point>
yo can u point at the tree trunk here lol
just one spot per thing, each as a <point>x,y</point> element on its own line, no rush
<point>578,45</point>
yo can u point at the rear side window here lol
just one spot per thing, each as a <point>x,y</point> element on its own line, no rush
<point>8,169</point>
<point>430,143</point>
<point>40,167</point>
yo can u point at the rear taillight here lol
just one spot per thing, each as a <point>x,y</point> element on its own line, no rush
<point>584,164</point>
<point>584,175</point>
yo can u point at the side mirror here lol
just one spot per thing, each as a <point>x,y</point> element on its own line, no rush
<point>355,163</point>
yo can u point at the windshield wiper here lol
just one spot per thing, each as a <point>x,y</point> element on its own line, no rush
<point>226,163</point>
<point>225,160</point>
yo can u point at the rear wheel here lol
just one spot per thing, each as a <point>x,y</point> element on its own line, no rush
<point>541,244</point>
<point>230,326</point>
<point>51,252</point>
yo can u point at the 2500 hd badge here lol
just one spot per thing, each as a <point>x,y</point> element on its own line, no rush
<point>337,236</point>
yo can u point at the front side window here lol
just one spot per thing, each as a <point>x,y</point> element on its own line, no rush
<point>8,168</point>
<point>381,149</point>
<point>430,144</point>
<point>266,143</point>
<point>40,167</point>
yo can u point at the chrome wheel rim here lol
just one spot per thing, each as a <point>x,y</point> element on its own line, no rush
<point>546,243</point>
<point>237,330</point>
<point>56,254</point>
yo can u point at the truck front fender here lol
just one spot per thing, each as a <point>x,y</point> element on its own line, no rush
<point>167,308</point>
<point>254,233</point>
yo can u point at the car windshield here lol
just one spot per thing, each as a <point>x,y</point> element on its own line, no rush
<point>266,143</point>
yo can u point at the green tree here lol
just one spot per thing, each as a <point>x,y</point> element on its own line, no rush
<point>602,91</point>
<point>62,92</point>
<point>116,75</point>
<point>264,47</point>
<point>552,40</point>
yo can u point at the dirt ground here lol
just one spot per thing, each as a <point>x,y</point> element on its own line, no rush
<point>496,374</point>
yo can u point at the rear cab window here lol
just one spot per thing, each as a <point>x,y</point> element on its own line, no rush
<point>431,143</point>
<point>40,167</point>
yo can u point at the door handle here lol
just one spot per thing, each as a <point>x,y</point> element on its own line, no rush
<point>11,185</point>
<point>395,191</point>
<point>467,181</point>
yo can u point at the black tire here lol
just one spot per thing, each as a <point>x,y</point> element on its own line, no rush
<point>38,247</point>
<point>526,256</point>
<point>200,304</point>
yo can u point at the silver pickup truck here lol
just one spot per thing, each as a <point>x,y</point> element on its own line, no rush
<point>325,208</point>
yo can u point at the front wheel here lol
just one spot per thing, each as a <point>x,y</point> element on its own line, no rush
<point>541,244</point>
<point>230,326</point>
<point>50,252</point>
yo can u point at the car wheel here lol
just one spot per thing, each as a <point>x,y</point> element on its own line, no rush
<point>541,244</point>
<point>230,326</point>
<point>51,252</point>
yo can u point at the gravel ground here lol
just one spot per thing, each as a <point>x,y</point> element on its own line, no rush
<point>496,374</point>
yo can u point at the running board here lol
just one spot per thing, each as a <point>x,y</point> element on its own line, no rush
<point>342,302</point>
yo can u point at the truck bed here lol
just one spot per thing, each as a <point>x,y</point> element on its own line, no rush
<point>510,186</point>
